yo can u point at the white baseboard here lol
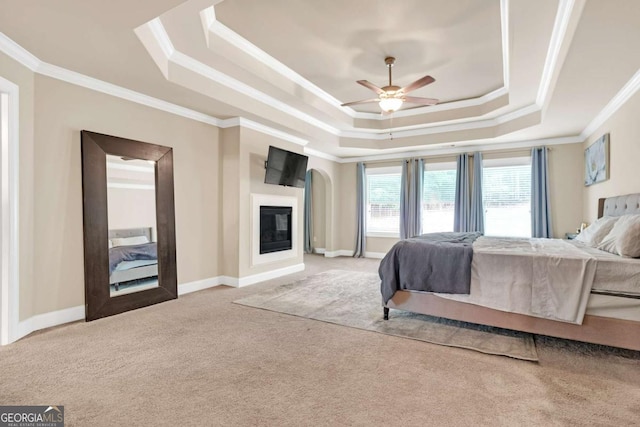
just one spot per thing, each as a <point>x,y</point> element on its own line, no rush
<point>319,250</point>
<point>47,320</point>
<point>199,285</point>
<point>60,317</point>
<point>377,255</point>
<point>349,253</point>
<point>339,252</point>
<point>261,277</point>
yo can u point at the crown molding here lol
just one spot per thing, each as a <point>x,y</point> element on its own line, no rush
<point>320,154</point>
<point>18,53</point>
<point>259,127</point>
<point>208,16</point>
<point>453,149</point>
<point>558,36</point>
<point>209,22</point>
<point>565,11</point>
<point>620,98</point>
<point>504,28</point>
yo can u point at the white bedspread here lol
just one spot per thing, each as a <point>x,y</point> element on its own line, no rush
<point>548,278</point>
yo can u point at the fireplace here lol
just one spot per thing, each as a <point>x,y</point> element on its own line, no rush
<point>276,245</point>
<point>275,229</point>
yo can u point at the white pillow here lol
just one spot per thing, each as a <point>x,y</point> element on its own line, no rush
<point>129,241</point>
<point>596,232</point>
<point>624,237</point>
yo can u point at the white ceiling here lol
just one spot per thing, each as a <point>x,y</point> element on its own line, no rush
<point>506,70</point>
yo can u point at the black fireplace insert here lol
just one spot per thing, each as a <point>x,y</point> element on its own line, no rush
<point>275,229</point>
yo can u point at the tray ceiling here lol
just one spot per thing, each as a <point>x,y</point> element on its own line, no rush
<point>506,71</point>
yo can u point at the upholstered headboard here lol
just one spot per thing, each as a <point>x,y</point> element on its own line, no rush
<point>131,232</point>
<point>619,205</point>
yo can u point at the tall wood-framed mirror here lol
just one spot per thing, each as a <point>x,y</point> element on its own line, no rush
<point>129,237</point>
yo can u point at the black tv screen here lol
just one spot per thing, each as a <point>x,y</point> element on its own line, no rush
<point>285,168</point>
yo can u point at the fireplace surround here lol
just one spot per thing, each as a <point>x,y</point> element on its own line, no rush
<point>276,242</point>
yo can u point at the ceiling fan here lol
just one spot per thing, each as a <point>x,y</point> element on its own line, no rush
<point>390,98</point>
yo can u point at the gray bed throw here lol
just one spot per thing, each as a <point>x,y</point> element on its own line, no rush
<point>437,262</point>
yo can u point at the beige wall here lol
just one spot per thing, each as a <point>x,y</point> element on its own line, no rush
<point>328,173</point>
<point>24,79</point>
<point>131,208</point>
<point>624,148</point>
<point>565,176</point>
<point>565,170</point>
<point>229,208</point>
<point>244,152</point>
<point>61,112</point>
<point>346,209</point>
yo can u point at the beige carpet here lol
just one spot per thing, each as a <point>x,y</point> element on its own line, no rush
<point>352,298</point>
<point>203,361</point>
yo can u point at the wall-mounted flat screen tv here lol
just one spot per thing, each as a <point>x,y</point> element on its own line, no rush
<point>285,168</point>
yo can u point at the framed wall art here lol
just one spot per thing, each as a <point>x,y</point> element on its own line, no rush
<point>596,161</point>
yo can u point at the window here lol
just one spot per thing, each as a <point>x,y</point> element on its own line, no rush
<point>383,201</point>
<point>506,193</point>
<point>438,197</point>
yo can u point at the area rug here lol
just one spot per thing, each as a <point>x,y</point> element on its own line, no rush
<point>351,298</point>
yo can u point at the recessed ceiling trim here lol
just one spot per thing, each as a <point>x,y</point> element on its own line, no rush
<point>560,25</point>
<point>198,67</point>
<point>213,25</point>
<point>210,22</point>
<point>320,154</point>
<point>559,31</point>
<point>383,134</point>
<point>464,103</point>
<point>161,35</point>
<point>211,73</point>
<point>447,148</point>
<point>250,124</point>
<point>504,27</point>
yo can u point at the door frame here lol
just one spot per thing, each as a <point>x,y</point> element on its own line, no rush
<point>9,146</point>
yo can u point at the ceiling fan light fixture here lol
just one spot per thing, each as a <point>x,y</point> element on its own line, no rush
<point>390,105</point>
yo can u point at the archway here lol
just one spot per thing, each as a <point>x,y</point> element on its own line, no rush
<point>321,211</point>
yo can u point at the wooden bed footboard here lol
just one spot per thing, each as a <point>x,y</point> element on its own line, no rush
<point>594,329</point>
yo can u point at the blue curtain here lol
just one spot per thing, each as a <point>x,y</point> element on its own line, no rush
<point>308,214</point>
<point>462,209</point>
<point>411,183</point>
<point>540,197</point>
<point>360,211</point>
<point>476,220</point>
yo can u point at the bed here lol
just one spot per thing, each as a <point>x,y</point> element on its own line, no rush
<point>611,316</point>
<point>132,262</point>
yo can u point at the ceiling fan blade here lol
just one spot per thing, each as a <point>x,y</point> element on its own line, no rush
<point>422,101</point>
<point>365,101</point>
<point>418,84</point>
<point>371,86</point>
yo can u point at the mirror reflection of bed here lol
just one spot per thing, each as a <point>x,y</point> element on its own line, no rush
<point>133,261</point>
